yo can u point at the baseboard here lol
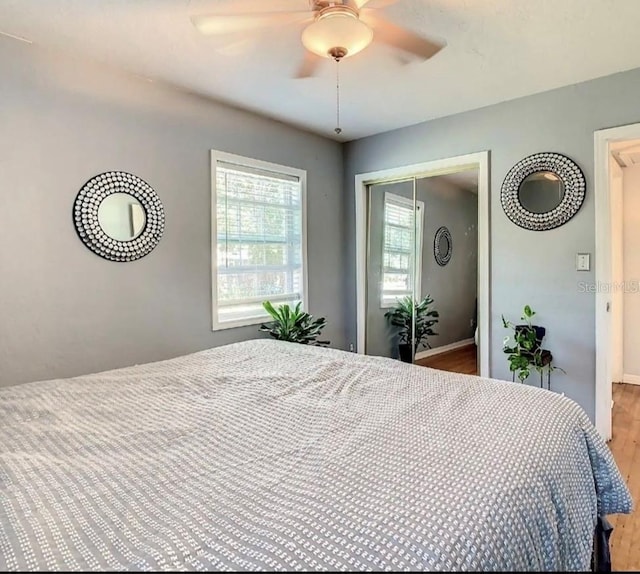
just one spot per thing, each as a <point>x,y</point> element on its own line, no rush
<point>450,347</point>
<point>631,379</point>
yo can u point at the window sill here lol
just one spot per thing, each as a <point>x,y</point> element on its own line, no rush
<point>217,326</point>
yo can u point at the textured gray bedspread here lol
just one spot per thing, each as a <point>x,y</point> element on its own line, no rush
<point>273,456</point>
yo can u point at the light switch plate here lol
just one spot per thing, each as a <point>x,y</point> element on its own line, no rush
<point>583,262</point>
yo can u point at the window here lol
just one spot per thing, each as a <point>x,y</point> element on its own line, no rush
<point>399,271</point>
<point>258,238</point>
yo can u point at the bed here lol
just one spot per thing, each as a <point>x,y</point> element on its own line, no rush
<point>266,455</point>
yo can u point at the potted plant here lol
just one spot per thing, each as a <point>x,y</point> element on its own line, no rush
<point>294,325</point>
<point>401,316</point>
<point>525,352</point>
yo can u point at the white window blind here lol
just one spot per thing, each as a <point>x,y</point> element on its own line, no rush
<point>400,252</point>
<point>259,241</point>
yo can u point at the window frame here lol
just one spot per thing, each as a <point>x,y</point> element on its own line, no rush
<point>417,278</point>
<point>218,156</point>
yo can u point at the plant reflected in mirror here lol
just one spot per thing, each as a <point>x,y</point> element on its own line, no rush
<point>401,316</point>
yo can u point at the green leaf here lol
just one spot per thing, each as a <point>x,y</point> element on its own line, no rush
<point>269,309</point>
<point>293,325</point>
<point>526,353</point>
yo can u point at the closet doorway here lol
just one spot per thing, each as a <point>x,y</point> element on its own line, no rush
<point>423,263</point>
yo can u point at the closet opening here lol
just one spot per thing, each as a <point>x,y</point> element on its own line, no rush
<point>422,245</point>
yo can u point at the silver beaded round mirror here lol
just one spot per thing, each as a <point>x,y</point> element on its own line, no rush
<point>118,216</point>
<point>543,191</point>
<point>442,246</point>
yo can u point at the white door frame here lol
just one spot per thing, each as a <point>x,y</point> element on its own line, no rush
<point>604,270</point>
<point>478,160</point>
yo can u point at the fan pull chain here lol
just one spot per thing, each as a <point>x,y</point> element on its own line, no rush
<point>338,129</point>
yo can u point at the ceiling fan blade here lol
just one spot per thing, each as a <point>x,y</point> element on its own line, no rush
<point>309,65</point>
<point>392,35</point>
<point>212,24</point>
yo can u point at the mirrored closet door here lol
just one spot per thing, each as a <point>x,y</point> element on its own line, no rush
<point>394,234</point>
<point>422,270</point>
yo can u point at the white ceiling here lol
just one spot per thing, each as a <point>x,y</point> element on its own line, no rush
<point>497,50</point>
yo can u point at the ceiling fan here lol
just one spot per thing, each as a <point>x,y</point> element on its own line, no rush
<point>332,29</point>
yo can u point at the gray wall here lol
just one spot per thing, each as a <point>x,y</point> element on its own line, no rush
<point>454,286</point>
<point>63,310</point>
<point>526,266</point>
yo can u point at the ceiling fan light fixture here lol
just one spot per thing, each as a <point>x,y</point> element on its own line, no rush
<point>337,31</point>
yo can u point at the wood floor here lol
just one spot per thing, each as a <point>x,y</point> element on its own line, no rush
<point>463,360</point>
<point>625,446</point>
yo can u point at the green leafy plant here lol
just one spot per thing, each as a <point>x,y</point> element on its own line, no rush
<point>401,316</point>
<point>525,351</point>
<point>294,325</point>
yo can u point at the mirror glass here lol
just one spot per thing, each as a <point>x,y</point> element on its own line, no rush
<point>391,270</point>
<point>541,192</point>
<point>443,245</point>
<point>122,216</point>
<point>416,304</point>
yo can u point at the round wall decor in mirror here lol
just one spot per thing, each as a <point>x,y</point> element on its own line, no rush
<point>442,246</point>
<point>118,216</point>
<point>543,191</point>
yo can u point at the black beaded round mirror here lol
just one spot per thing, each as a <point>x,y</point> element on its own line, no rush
<point>442,246</point>
<point>543,191</point>
<point>118,216</point>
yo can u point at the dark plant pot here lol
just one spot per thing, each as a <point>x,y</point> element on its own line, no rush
<point>540,333</point>
<point>406,352</point>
